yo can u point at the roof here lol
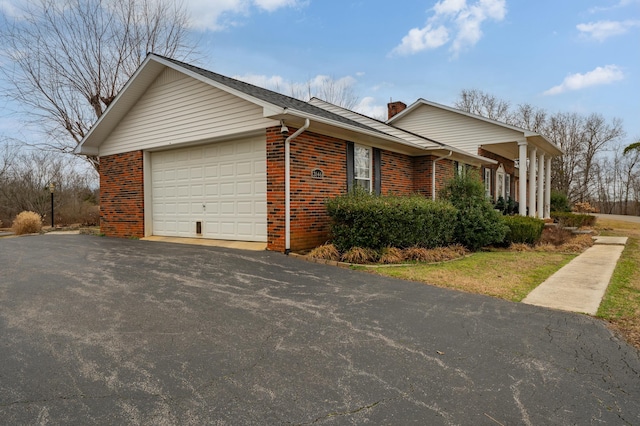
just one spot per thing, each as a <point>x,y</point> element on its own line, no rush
<point>266,95</point>
<point>425,142</point>
<point>526,133</point>
<point>276,105</point>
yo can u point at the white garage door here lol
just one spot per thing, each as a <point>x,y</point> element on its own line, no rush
<point>223,186</point>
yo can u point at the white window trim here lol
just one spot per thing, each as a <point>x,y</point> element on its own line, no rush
<point>487,182</point>
<point>355,169</point>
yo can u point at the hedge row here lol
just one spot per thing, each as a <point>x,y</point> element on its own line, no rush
<point>363,220</point>
<point>523,229</point>
<point>573,219</point>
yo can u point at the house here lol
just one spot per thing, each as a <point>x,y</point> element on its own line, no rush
<point>490,139</point>
<point>186,152</point>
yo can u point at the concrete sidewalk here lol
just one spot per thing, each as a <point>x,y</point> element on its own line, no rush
<point>580,285</point>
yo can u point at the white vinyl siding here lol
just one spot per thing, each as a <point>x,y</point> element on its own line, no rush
<point>178,109</point>
<point>222,185</point>
<point>454,129</point>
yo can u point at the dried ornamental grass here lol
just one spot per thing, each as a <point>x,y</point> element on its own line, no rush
<point>418,254</point>
<point>325,252</point>
<point>27,223</point>
<point>391,255</point>
<point>360,255</point>
<point>577,244</point>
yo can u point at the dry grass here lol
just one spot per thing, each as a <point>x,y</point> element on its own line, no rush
<point>27,223</point>
<point>360,255</point>
<point>326,252</point>
<point>391,255</point>
<point>506,274</point>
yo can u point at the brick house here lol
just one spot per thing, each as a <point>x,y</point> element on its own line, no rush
<point>185,152</point>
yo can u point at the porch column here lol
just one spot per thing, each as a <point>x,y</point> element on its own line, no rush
<point>522,180</point>
<point>532,182</point>
<point>541,185</point>
<point>547,191</point>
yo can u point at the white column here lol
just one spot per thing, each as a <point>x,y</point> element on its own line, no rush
<point>532,182</point>
<point>522,179</point>
<point>547,190</point>
<point>541,183</point>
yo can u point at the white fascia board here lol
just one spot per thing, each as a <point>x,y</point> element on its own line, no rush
<point>349,127</point>
<point>464,154</point>
<point>93,146</point>
<point>216,84</point>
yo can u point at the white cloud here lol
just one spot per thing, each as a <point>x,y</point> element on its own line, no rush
<point>271,5</point>
<point>602,30</point>
<point>217,15</point>
<point>452,17</point>
<point>368,107</point>
<point>426,38</point>
<point>620,4</point>
<point>599,76</point>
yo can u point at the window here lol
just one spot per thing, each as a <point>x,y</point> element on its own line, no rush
<point>362,166</point>
<point>500,183</point>
<point>487,182</point>
<point>507,187</point>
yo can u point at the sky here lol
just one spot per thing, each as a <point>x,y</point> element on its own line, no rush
<point>570,55</point>
<point>561,55</point>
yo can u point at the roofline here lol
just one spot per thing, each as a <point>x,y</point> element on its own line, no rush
<point>526,133</point>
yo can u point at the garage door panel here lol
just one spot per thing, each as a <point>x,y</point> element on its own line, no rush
<point>228,178</point>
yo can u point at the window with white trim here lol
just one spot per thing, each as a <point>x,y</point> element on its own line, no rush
<point>487,182</point>
<point>362,160</point>
<point>507,186</point>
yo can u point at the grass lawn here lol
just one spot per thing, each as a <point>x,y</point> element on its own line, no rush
<point>512,275</point>
<point>621,303</point>
<point>504,274</point>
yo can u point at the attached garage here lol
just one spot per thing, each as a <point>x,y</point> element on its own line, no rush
<point>215,191</point>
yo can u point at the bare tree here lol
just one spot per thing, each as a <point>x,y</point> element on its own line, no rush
<point>66,60</point>
<point>336,91</point>
<point>481,103</point>
<point>598,134</point>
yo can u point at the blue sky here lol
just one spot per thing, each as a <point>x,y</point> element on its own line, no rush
<point>568,55</point>
<point>561,55</point>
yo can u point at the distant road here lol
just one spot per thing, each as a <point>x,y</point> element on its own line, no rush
<point>635,219</point>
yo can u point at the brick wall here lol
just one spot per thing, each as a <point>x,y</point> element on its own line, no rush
<point>397,175</point>
<point>309,220</point>
<point>122,195</point>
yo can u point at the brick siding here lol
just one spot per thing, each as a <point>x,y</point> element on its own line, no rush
<point>122,195</point>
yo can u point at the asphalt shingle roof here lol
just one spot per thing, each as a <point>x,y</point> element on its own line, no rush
<point>270,96</point>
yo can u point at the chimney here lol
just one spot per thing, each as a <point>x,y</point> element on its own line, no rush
<point>394,108</point>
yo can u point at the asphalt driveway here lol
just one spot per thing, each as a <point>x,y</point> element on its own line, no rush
<point>106,331</point>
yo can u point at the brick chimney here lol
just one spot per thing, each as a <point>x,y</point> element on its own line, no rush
<point>394,108</point>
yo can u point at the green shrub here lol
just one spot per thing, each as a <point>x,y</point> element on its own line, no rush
<point>559,201</point>
<point>27,223</point>
<point>523,230</point>
<point>573,219</point>
<point>360,219</point>
<point>477,224</point>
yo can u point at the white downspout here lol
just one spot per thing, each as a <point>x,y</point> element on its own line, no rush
<point>433,174</point>
<point>287,185</point>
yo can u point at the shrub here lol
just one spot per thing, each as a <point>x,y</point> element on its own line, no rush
<point>522,230</point>
<point>326,252</point>
<point>477,223</point>
<point>573,220</point>
<point>559,201</point>
<point>360,219</point>
<point>27,223</point>
<point>555,235</point>
<point>391,255</point>
<point>584,207</point>
<point>360,255</point>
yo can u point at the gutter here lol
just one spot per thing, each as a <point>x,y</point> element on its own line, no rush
<point>433,174</point>
<point>287,185</point>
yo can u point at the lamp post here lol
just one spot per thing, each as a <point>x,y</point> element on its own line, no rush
<point>52,188</point>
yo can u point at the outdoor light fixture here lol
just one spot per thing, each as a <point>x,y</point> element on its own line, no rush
<point>52,188</point>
